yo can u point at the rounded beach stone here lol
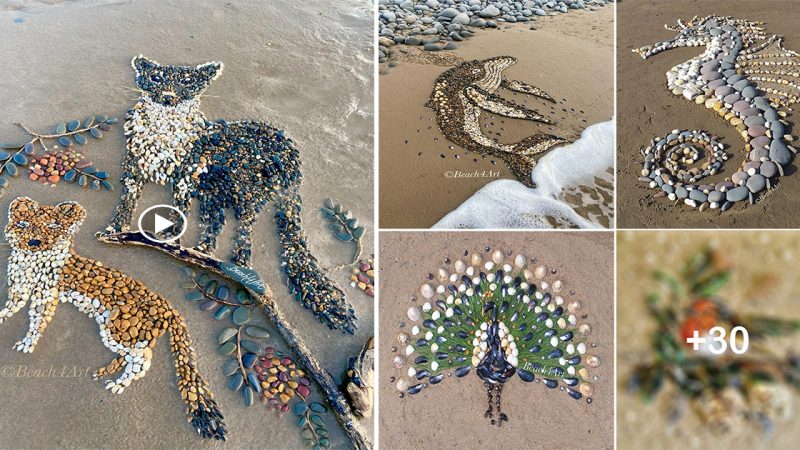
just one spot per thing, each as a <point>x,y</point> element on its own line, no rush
<point>779,152</point>
<point>737,194</point>
<point>716,196</point>
<point>756,183</point>
<point>739,178</point>
<point>768,169</point>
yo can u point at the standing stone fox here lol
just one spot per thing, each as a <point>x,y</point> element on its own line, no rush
<point>44,270</point>
<point>227,166</point>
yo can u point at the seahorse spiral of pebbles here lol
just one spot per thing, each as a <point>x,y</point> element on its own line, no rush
<point>668,161</point>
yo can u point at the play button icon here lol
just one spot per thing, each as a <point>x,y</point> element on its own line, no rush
<point>162,223</point>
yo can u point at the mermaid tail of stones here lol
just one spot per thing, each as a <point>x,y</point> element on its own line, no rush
<point>307,281</point>
<point>522,161</point>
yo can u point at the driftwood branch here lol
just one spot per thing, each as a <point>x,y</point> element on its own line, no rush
<point>334,397</point>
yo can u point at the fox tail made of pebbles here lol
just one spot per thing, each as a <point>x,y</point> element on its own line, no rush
<point>306,279</point>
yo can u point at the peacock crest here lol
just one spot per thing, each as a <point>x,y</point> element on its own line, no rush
<point>496,317</point>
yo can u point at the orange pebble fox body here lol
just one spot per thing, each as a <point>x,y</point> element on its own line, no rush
<point>44,270</point>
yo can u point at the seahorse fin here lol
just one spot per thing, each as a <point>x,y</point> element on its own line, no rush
<point>498,105</point>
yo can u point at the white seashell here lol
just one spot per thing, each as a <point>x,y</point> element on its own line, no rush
<point>427,306</point>
<point>581,348</point>
<point>415,330</point>
<point>413,313</point>
<point>412,371</point>
<point>558,285</point>
<point>513,360</point>
<point>402,384</point>
<point>402,339</point>
<point>498,256</point>
<point>475,259</point>
<point>426,290</point>
<point>528,274</point>
<point>460,266</point>
<point>519,261</point>
<point>442,275</point>
<point>593,361</point>
<point>574,307</point>
<point>585,329</point>
<point>398,362</point>
<point>540,272</point>
<point>409,350</point>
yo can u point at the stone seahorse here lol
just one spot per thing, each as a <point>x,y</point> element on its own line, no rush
<point>751,81</point>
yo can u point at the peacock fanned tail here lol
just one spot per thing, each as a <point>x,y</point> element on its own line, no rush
<point>497,319</point>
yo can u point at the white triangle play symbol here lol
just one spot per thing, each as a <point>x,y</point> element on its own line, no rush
<point>162,224</point>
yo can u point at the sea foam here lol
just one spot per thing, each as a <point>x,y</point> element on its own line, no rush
<point>566,182</point>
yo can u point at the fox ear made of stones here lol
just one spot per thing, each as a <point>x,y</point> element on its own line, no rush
<point>211,70</point>
<point>21,204</point>
<point>71,213</point>
<point>142,64</point>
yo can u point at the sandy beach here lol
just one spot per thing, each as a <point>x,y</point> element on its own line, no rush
<point>754,289</point>
<point>646,109</point>
<point>422,175</point>
<point>450,415</point>
<point>305,67</point>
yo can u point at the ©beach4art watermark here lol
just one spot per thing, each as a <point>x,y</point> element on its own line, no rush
<point>52,371</point>
<point>457,174</point>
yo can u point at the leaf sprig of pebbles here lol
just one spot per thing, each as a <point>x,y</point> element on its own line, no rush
<point>438,25</point>
<point>750,85</point>
<point>255,369</point>
<point>61,160</point>
<point>344,226</point>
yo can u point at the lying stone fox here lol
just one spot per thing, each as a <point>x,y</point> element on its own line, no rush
<point>44,270</point>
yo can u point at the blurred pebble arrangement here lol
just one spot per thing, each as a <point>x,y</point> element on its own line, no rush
<point>460,95</point>
<point>499,315</point>
<point>61,161</point>
<point>726,391</point>
<point>748,79</point>
<point>44,269</point>
<point>256,370</point>
<point>238,166</point>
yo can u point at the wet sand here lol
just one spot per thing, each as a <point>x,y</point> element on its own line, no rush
<point>569,56</point>
<point>647,109</point>
<point>759,289</point>
<point>450,415</point>
<point>282,64</point>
